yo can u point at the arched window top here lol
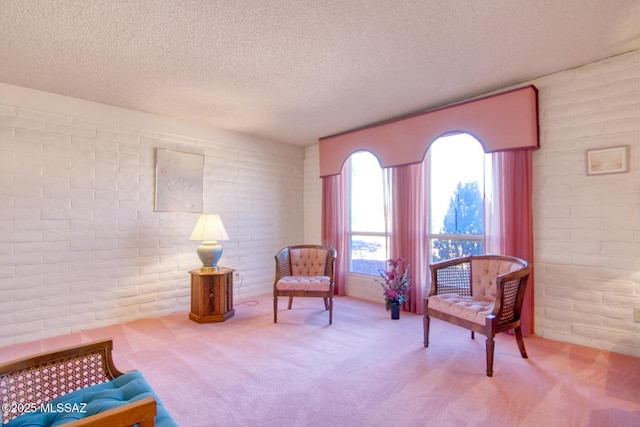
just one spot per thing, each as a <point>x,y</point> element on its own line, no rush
<point>365,154</point>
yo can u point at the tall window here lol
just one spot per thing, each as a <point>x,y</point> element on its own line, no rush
<point>367,239</point>
<point>456,202</point>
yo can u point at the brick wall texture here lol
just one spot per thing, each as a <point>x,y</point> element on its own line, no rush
<point>587,228</point>
<point>80,243</point>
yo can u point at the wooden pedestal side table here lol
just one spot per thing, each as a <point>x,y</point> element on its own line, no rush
<point>211,295</point>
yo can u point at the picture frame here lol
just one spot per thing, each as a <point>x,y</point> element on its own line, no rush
<point>608,160</point>
<point>179,181</point>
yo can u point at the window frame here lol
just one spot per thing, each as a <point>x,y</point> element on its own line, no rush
<point>350,233</point>
<point>432,236</point>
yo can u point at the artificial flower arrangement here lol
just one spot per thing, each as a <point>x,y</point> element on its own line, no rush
<point>396,285</point>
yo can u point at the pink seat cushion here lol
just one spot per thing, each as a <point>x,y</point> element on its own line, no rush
<point>303,283</point>
<point>466,308</point>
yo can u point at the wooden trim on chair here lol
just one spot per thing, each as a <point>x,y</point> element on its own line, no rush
<point>104,348</point>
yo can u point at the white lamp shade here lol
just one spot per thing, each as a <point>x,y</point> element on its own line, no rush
<point>209,228</point>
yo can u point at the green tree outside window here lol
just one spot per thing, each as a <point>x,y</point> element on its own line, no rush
<point>465,216</point>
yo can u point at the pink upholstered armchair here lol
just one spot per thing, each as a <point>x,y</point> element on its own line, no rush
<point>482,293</point>
<point>304,271</point>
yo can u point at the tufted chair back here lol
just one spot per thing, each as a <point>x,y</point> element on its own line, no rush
<point>308,261</point>
<point>485,271</point>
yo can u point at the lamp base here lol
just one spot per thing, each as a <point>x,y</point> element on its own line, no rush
<point>209,253</point>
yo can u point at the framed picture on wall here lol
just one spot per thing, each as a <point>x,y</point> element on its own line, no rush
<point>179,181</point>
<point>608,160</point>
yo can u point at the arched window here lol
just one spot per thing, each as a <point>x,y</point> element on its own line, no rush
<point>456,197</point>
<point>367,237</point>
<point>456,165</point>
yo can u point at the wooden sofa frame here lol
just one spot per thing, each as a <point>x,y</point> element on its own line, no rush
<point>27,383</point>
<point>455,277</point>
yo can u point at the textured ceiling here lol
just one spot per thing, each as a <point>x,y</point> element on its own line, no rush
<point>296,70</point>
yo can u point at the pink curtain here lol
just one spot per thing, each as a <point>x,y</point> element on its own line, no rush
<point>509,222</point>
<point>409,227</point>
<point>334,224</point>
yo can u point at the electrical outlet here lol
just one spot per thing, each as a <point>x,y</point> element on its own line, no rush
<point>236,276</point>
<point>636,314</point>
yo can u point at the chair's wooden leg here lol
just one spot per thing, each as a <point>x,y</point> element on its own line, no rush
<point>520,341</point>
<point>275,309</point>
<point>425,329</point>
<point>330,310</point>
<point>473,335</point>
<point>326,303</point>
<point>290,301</point>
<point>490,348</point>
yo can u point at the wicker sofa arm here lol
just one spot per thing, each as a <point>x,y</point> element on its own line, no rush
<point>41,378</point>
<point>30,383</point>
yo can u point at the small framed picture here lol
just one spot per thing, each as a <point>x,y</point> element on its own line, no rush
<point>608,160</point>
<point>179,181</point>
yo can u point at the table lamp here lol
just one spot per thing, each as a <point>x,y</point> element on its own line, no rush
<point>209,230</point>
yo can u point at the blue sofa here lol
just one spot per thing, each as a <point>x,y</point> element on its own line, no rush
<point>77,386</point>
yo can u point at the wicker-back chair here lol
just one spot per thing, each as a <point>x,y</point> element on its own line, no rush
<point>304,271</point>
<point>482,293</point>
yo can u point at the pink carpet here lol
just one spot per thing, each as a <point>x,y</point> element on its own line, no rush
<point>364,370</point>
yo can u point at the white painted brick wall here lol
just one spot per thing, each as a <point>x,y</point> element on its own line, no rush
<point>587,228</point>
<point>80,243</point>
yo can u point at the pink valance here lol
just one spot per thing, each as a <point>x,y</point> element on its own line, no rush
<point>506,121</point>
